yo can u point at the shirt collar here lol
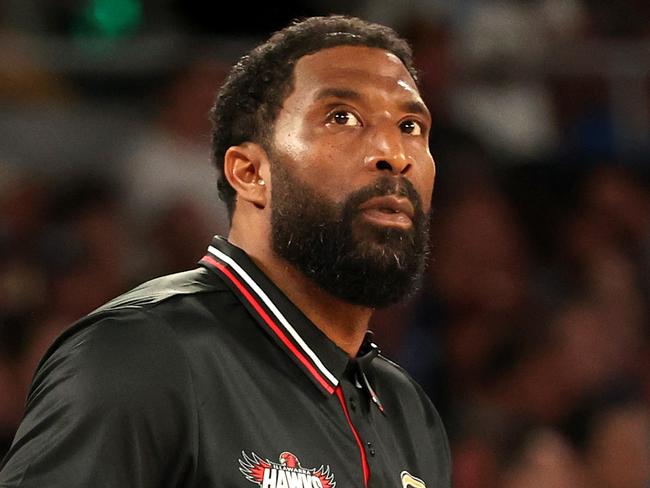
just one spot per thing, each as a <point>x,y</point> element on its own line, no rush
<point>311,350</point>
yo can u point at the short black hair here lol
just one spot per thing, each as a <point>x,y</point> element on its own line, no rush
<point>249,101</point>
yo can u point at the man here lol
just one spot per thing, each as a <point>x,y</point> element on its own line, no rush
<point>257,366</point>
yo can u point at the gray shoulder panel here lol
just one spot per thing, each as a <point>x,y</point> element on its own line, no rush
<point>198,280</point>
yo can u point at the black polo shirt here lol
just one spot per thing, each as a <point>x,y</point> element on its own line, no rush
<point>213,378</point>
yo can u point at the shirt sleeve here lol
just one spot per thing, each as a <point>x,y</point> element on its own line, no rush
<point>110,406</point>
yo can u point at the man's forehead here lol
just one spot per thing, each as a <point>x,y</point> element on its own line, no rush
<point>353,63</point>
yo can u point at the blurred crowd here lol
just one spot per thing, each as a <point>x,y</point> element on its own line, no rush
<point>531,331</point>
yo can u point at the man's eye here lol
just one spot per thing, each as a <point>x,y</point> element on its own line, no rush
<point>343,117</point>
<point>412,127</point>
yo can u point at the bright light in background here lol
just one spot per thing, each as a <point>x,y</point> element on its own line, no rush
<point>109,18</point>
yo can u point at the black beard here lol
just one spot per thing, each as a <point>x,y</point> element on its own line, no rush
<point>348,257</point>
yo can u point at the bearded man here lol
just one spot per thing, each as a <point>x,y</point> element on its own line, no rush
<point>257,367</point>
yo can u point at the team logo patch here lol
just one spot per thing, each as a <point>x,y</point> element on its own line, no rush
<point>287,473</point>
<point>410,481</point>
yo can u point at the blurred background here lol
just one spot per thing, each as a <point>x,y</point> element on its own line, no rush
<point>531,330</point>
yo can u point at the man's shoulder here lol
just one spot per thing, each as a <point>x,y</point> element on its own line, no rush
<point>154,312</point>
<point>406,399</point>
<point>119,381</point>
<point>399,383</point>
<point>158,290</point>
<point>179,294</point>
<point>394,373</point>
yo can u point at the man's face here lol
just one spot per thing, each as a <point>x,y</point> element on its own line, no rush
<point>352,175</point>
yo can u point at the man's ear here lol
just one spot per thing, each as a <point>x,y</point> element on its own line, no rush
<point>244,167</point>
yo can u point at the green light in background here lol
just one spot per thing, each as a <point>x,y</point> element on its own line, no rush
<point>111,18</point>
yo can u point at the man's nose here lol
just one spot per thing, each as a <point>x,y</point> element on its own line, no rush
<point>386,152</point>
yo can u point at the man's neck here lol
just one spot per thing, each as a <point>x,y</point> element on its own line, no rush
<point>344,323</point>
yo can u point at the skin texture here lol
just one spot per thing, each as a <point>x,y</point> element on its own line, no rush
<point>354,115</point>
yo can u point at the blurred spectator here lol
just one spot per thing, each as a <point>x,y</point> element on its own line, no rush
<point>170,161</point>
<point>546,460</point>
<point>606,244</point>
<point>24,199</point>
<point>479,283</point>
<point>24,77</point>
<point>178,235</point>
<point>611,432</point>
<point>618,454</point>
<point>84,249</point>
<point>501,45</point>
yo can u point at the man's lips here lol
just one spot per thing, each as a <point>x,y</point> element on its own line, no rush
<point>388,210</point>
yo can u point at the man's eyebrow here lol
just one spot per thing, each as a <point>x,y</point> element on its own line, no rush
<point>345,93</point>
<point>416,107</point>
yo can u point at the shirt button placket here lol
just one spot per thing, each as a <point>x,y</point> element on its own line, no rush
<point>350,403</point>
<point>360,413</point>
<point>371,450</point>
<point>362,419</point>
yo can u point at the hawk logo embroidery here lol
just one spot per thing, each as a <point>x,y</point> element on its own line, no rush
<point>410,481</point>
<point>287,473</point>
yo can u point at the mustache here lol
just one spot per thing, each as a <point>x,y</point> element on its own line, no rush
<point>386,186</point>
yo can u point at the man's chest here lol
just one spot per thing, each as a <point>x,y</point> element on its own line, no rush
<point>275,430</point>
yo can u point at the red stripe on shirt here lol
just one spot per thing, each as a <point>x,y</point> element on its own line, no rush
<point>362,451</point>
<point>274,327</point>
